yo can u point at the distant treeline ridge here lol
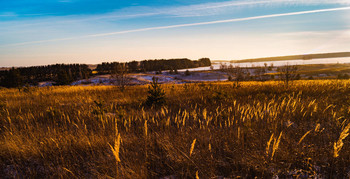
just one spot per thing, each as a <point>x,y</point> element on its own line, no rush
<point>154,65</point>
<point>59,73</point>
<point>296,57</point>
<point>63,74</point>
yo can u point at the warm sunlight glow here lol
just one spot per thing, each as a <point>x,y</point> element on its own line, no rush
<point>172,89</point>
<point>144,30</point>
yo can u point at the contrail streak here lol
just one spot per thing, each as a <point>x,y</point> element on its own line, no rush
<point>185,25</point>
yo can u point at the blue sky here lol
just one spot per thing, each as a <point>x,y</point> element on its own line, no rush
<point>92,31</point>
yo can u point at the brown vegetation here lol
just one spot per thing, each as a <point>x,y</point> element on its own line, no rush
<point>205,130</point>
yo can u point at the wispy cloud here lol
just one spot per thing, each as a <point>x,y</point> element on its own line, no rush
<point>328,39</point>
<point>183,25</point>
<point>206,9</point>
<point>203,9</point>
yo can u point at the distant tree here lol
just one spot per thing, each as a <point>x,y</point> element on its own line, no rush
<point>13,79</point>
<point>223,67</point>
<point>64,78</point>
<point>60,73</point>
<point>133,66</point>
<point>205,61</point>
<point>156,65</point>
<point>247,76</point>
<point>288,73</point>
<point>265,65</point>
<point>120,75</point>
<point>175,71</point>
<point>187,73</point>
<point>237,72</point>
<point>158,72</point>
<point>156,95</point>
<point>343,76</point>
<point>259,72</point>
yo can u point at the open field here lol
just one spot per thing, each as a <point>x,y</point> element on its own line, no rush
<point>327,69</point>
<point>209,130</point>
<point>316,71</point>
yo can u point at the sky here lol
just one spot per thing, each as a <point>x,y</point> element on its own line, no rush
<point>34,32</point>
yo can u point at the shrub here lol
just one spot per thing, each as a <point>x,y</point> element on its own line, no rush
<point>156,95</point>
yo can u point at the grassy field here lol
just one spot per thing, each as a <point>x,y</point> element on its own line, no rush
<point>208,130</point>
<point>328,69</point>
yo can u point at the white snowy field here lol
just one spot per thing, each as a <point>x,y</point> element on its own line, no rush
<point>201,74</point>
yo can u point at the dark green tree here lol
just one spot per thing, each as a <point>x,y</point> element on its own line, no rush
<point>64,78</point>
<point>156,95</point>
<point>187,73</point>
<point>33,75</point>
<point>13,79</point>
<point>155,65</point>
<point>133,66</point>
<point>205,62</point>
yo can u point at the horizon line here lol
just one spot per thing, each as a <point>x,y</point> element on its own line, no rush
<point>2,67</point>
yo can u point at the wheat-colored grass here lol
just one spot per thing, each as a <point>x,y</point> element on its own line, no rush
<point>252,130</point>
<point>339,144</point>
<point>192,146</point>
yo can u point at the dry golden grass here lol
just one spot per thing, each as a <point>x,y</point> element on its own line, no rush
<point>339,144</point>
<point>192,147</point>
<point>260,129</point>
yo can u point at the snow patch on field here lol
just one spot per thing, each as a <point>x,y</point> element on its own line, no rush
<point>165,78</point>
<point>46,83</point>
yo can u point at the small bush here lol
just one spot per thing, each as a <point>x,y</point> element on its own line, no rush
<point>156,95</point>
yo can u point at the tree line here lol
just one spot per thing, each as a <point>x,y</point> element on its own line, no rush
<point>153,65</point>
<point>64,74</point>
<point>61,74</point>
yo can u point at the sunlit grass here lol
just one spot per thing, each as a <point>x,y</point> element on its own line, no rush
<point>204,130</point>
